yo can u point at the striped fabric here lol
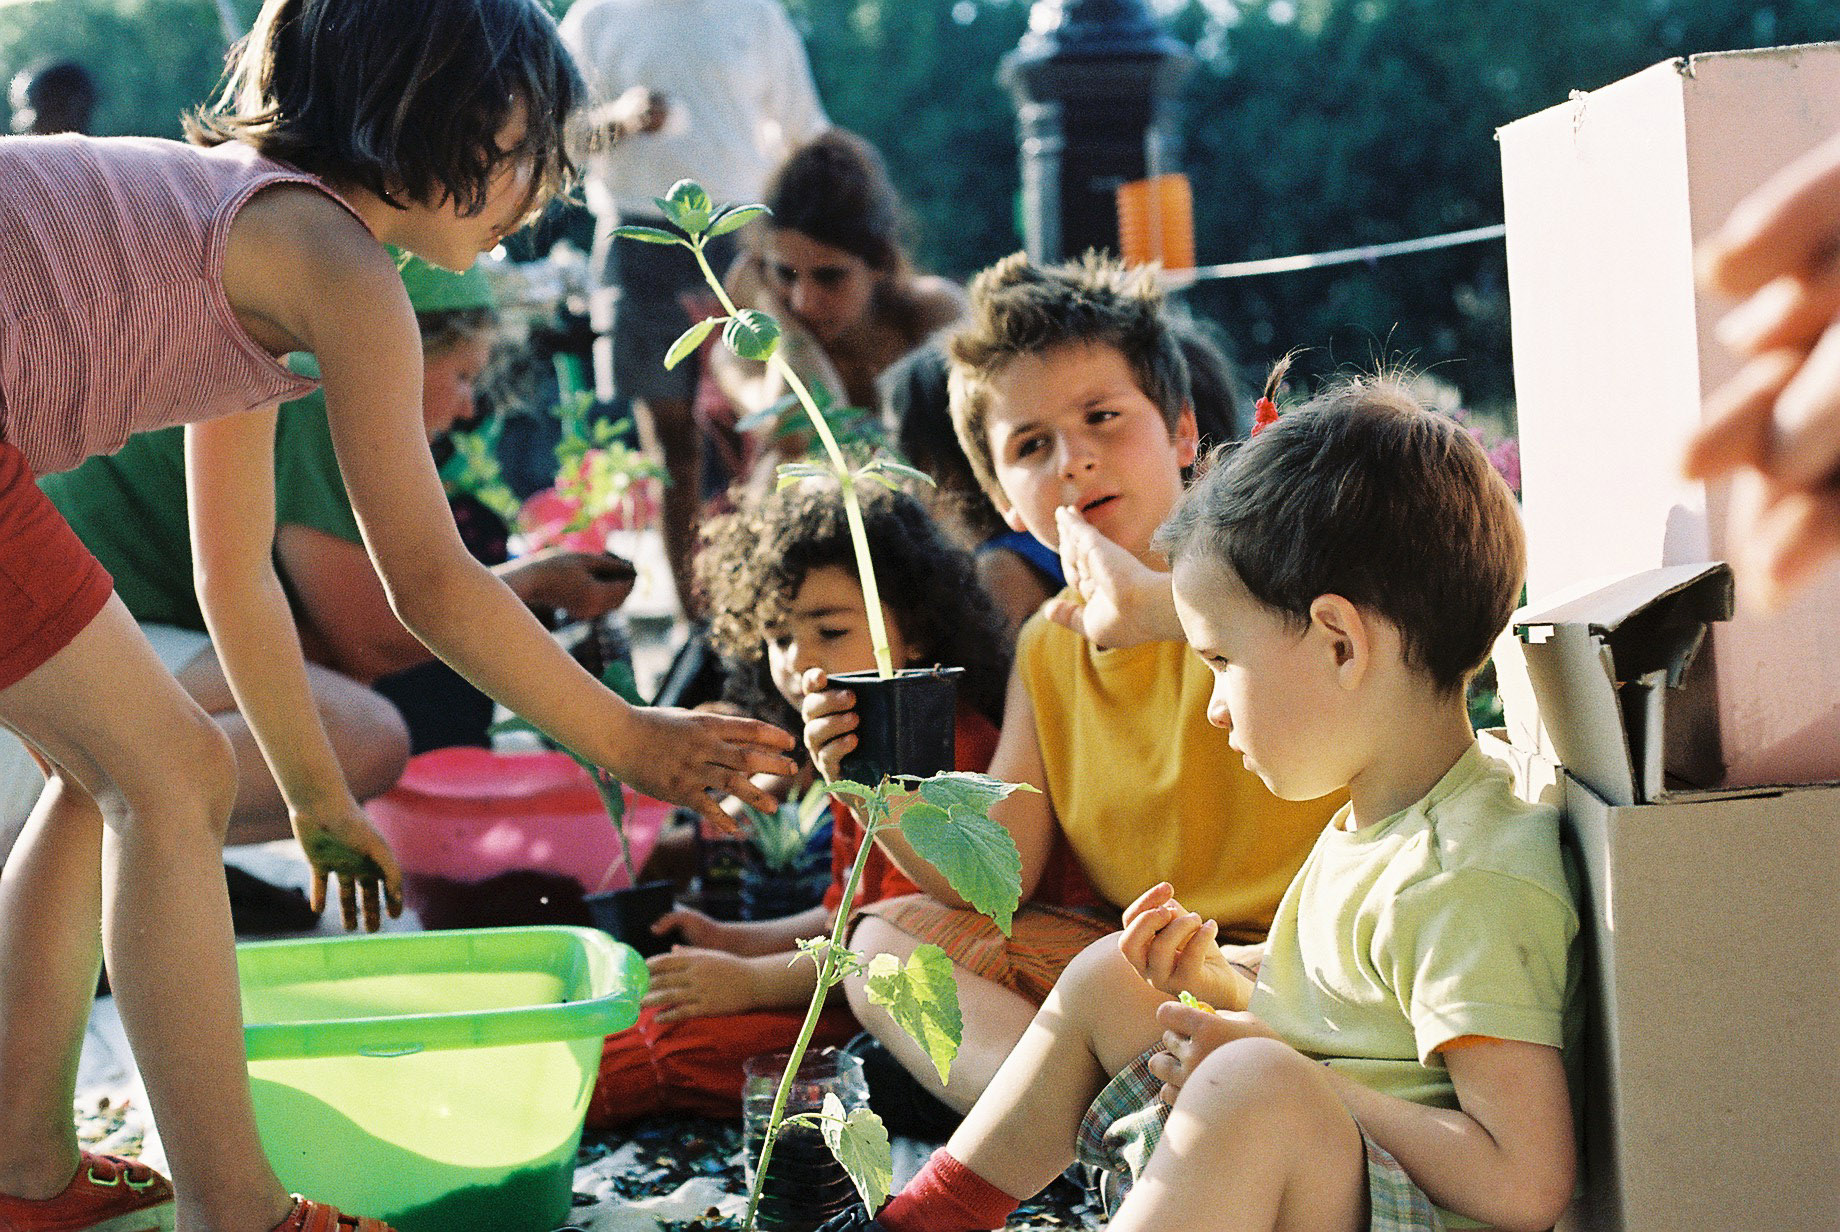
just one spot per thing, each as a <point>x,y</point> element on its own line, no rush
<point>1043,938</point>
<point>113,317</point>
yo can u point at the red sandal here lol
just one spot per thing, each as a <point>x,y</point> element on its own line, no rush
<point>310,1216</point>
<point>108,1194</point>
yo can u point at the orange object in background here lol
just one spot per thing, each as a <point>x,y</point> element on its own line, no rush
<point>1156,222</point>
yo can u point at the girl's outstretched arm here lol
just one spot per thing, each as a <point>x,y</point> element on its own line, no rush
<point>311,269</point>
<point>230,483</point>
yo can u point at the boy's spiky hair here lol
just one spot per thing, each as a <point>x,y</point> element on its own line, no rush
<point>1365,494</point>
<point>1019,308</point>
<point>402,98</point>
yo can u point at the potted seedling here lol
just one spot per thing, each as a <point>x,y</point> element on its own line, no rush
<point>786,867</point>
<point>754,335</point>
<point>944,815</point>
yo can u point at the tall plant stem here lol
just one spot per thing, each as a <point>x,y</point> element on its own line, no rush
<point>828,977</point>
<point>859,536</point>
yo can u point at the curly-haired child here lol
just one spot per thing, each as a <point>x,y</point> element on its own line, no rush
<point>785,609</point>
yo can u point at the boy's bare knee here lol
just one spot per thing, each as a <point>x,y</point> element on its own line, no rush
<point>1097,975</point>
<point>1268,1079</point>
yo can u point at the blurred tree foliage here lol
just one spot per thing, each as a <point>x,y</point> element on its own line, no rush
<point>153,59</point>
<point>1309,125</point>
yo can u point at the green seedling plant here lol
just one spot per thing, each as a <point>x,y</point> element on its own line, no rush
<point>596,468</point>
<point>754,335</point>
<point>946,818</point>
<point>782,836</point>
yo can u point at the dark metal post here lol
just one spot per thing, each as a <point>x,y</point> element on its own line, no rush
<point>1095,84</point>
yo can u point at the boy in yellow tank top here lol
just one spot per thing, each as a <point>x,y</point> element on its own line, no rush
<point>1070,396</point>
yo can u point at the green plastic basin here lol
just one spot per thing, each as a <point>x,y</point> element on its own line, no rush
<point>437,1081</point>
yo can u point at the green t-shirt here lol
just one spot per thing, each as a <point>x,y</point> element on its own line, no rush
<point>1453,917</point>
<point>129,507</point>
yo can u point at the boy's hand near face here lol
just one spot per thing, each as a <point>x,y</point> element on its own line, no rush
<point>1190,1034</point>
<point>1123,602</point>
<point>1174,950</point>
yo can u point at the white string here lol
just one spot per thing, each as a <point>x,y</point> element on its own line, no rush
<point>1176,279</point>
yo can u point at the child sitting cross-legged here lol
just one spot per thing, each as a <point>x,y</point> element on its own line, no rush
<point>1397,1064</point>
<point>1072,401</point>
<point>780,582</point>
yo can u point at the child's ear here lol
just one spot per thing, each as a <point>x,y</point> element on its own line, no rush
<point>1012,518</point>
<point>1187,436</point>
<point>1347,634</point>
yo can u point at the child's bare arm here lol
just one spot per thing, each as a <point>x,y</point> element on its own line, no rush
<point>344,301</point>
<point>693,983</point>
<point>230,488</point>
<point>1505,1156</point>
<point>748,938</point>
<point>830,725</point>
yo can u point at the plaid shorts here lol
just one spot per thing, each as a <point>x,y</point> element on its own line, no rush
<point>1122,1127</point>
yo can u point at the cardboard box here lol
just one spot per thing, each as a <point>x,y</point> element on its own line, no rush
<point>1711,1094</point>
<point>1606,196</point>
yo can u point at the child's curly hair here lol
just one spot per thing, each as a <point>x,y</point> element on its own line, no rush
<point>752,563</point>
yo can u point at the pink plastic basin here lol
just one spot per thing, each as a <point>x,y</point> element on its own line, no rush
<point>470,814</point>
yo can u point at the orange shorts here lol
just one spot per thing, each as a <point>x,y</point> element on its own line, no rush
<point>50,585</point>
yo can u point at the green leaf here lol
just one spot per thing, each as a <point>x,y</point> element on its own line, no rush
<point>882,462</point>
<point>689,340</point>
<point>878,477</point>
<point>951,829</point>
<point>790,473</point>
<point>760,418</point>
<point>860,1143</point>
<point>688,206</point>
<point>752,334</point>
<point>964,789</point>
<point>736,218</point>
<point>618,676</point>
<point>922,998</point>
<point>849,787</point>
<point>648,235</point>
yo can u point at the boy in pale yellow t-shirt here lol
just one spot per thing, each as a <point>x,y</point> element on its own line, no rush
<point>1070,396</point>
<point>1398,1065</point>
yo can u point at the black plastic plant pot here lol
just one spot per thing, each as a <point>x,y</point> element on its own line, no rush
<point>628,915</point>
<point>906,722</point>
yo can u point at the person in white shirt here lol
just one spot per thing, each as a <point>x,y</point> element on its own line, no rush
<point>716,91</point>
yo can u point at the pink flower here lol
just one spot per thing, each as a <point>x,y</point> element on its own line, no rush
<point>1505,457</point>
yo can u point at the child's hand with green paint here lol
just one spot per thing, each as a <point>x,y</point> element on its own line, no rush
<point>343,843</point>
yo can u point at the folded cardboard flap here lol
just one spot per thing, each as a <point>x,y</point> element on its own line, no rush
<point>1613,676</point>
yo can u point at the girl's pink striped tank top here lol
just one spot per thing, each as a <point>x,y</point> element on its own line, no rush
<point>113,317</point>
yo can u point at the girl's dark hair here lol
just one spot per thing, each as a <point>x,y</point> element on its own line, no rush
<point>401,97</point>
<point>753,562</point>
<point>835,189</point>
<point>917,407</point>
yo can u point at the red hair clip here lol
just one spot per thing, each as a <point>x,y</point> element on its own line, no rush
<point>1264,414</point>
